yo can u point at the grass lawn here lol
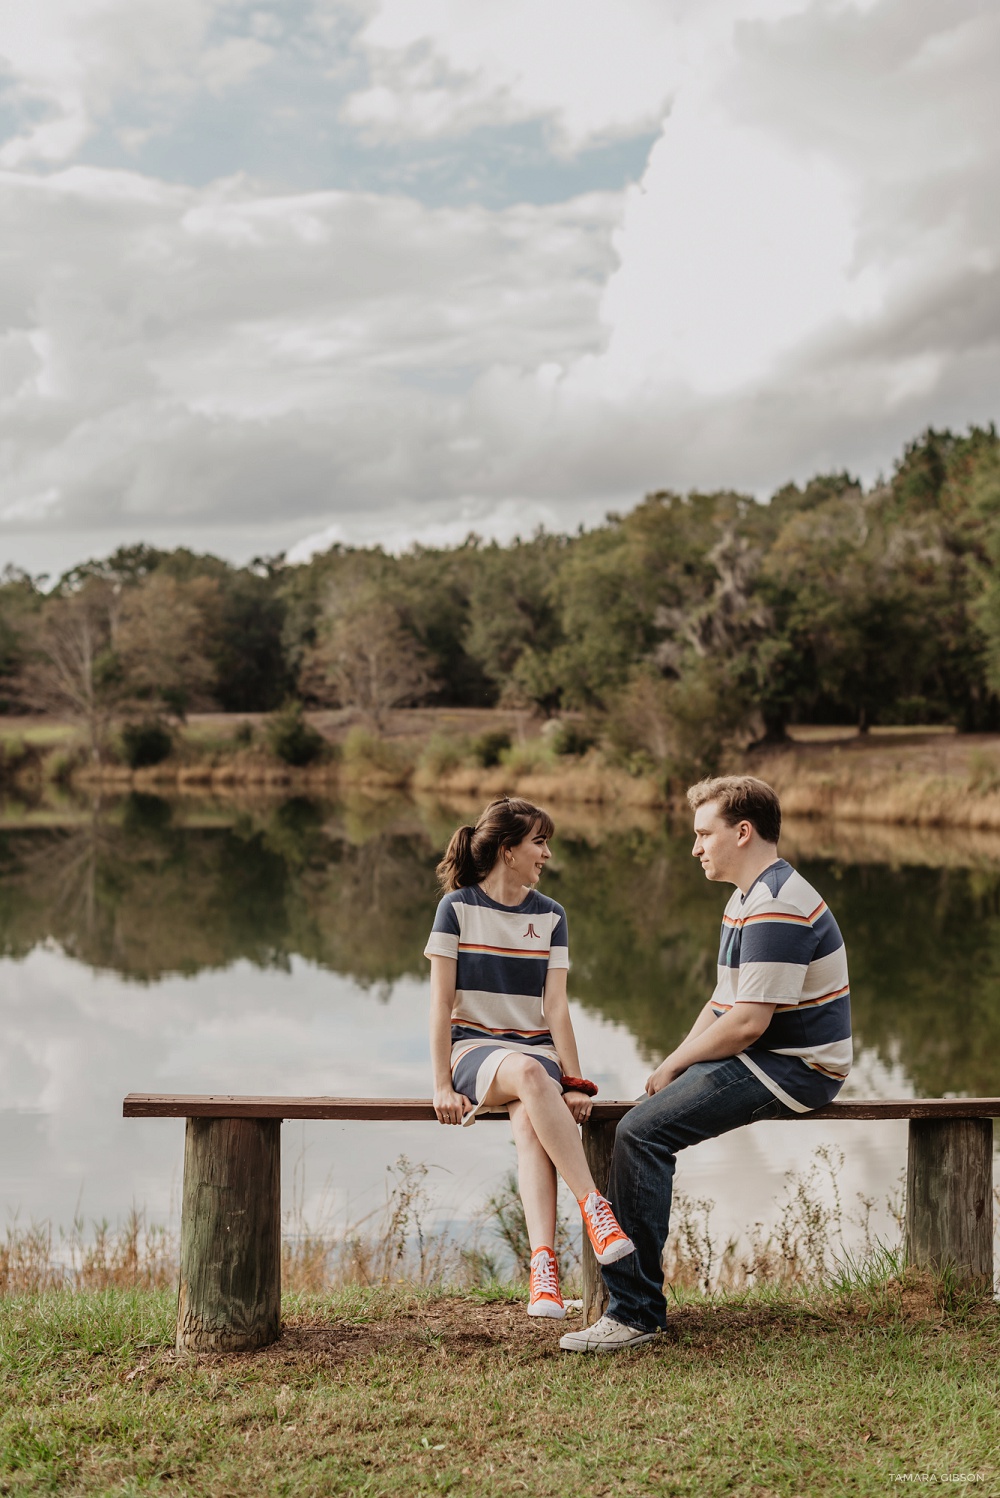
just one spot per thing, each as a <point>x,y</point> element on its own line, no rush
<point>399,1392</point>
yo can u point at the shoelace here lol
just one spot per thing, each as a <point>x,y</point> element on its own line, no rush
<point>600,1216</point>
<point>544,1276</point>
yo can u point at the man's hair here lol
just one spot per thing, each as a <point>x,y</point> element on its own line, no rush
<point>741,798</point>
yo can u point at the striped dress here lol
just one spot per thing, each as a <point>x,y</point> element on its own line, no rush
<point>503,955</point>
<point>781,945</point>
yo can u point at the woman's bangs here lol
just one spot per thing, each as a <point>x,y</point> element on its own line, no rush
<point>543,825</point>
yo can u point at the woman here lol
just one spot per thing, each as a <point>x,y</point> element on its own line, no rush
<point>501,1032</point>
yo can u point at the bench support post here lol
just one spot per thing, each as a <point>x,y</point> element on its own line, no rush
<point>598,1144</point>
<point>949,1199</point>
<point>230,1285</point>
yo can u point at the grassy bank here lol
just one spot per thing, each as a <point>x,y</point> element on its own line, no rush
<point>454,753</point>
<point>914,779</point>
<point>394,1391</point>
<point>909,778</point>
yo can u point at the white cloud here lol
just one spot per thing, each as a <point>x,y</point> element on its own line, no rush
<point>221,354</point>
<point>593,71</point>
<point>806,275</point>
<point>733,249</point>
<point>73,62</point>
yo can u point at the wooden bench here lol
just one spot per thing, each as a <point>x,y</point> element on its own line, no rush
<point>229,1298</point>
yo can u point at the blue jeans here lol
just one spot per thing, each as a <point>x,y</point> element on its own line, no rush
<point>708,1099</point>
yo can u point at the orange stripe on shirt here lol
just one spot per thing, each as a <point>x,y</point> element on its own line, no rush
<point>824,998</point>
<point>468,1024</point>
<point>471,946</point>
<point>779,917</point>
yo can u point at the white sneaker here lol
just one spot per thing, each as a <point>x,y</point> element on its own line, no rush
<point>606,1335</point>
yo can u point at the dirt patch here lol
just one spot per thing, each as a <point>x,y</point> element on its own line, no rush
<point>463,1329</point>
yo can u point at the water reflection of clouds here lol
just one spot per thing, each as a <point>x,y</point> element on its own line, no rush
<point>78,1040</point>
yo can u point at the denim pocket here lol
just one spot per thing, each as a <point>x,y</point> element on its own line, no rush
<point>775,1108</point>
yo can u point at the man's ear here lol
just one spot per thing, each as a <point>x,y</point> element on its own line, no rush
<point>744,834</point>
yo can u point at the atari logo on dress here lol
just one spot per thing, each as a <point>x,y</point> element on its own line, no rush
<point>530,932</point>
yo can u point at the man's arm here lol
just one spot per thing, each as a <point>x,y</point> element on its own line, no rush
<point>712,1039</point>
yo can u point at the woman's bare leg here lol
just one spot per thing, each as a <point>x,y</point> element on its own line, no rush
<point>536,1180</point>
<point>521,1079</point>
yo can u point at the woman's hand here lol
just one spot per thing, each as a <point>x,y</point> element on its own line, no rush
<point>450,1106</point>
<point>579,1104</point>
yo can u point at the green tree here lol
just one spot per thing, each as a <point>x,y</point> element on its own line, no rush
<point>162,641</point>
<point>21,600</point>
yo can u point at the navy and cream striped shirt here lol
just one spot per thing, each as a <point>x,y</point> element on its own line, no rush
<point>504,954</point>
<point>781,945</point>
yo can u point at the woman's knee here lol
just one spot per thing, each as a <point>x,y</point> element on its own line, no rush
<point>530,1076</point>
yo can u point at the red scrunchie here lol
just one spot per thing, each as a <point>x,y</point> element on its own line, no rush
<point>579,1084</point>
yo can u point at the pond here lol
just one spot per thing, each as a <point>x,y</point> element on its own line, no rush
<point>188,946</point>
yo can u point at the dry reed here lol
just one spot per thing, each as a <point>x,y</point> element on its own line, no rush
<point>398,1244</point>
<point>137,1255</point>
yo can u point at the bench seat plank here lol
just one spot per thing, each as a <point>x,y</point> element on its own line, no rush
<point>220,1105</point>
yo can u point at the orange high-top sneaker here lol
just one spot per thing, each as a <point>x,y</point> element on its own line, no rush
<point>606,1237</point>
<point>546,1299</point>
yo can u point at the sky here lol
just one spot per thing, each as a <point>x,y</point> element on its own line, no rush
<point>274,275</point>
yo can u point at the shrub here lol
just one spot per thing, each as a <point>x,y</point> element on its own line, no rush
<point>984,772</point>
<point>16,755</point>
<point>443,753</point>
<point>290,738</point>
<point>569,738</point>
<point>59,765</point>
<point>681,727</point>
<point>147,742</point>
<point>243,734</point>
<point>369,757</point>
<point>487,748</point>
<point>526,758</point>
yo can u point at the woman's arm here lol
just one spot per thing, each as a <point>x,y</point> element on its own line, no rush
<point>449,1105</point>
<point>557,1017</point>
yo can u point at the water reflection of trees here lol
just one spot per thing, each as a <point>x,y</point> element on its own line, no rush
<point>140,892</point>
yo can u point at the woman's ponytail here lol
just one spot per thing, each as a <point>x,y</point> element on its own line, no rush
<point>458,867</point>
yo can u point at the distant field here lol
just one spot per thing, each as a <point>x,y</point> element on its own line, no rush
<point>44,732</point>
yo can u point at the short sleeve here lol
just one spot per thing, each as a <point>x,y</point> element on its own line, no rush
<point>443,940</point>
<point>776,949</point>
<point>559,941</point>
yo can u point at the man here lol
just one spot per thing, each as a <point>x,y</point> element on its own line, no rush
<point>773,1041</point>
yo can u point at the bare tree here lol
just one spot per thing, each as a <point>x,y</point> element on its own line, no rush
<point>72,670</point>
<point>367,659</point>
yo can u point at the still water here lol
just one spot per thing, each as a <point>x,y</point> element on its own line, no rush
<point>162,946</point>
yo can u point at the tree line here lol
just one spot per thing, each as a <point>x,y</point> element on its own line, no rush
<point>691,621</point>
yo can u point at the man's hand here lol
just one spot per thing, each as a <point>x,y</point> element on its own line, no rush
<point>667,1071</point>
<point>579,1104</point>
<point>450,1106</point>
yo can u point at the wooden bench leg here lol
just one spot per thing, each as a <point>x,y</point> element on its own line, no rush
<point>598,1144</point>
<point>949,1198</point>
<point>230,1286</point>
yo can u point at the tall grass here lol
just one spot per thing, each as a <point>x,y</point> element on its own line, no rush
<point>137,1255</point>
<point>399,1243</point>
